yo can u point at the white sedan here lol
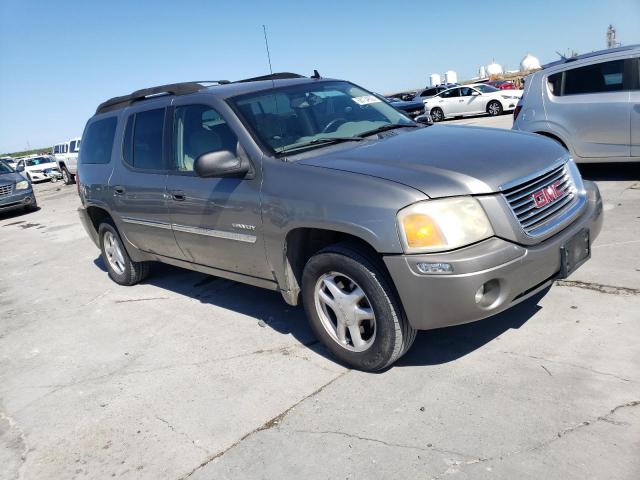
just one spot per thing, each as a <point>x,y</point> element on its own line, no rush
<point>37,168</point>
<point>471,100</point>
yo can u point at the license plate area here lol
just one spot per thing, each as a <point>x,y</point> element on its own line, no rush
<point>574,253</point>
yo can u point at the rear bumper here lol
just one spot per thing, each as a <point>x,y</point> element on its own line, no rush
<point>514,272</point>
<point>17,200</point>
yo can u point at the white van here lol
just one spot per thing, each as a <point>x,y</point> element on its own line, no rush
<point>66,155</point>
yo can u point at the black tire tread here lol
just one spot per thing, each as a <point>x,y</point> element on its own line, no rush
<point>135,271</point>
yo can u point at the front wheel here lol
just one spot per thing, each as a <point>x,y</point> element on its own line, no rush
<point>437,115</point>
<point>494,108</point>
<point>67,177</point>
<point>353,310</point>
<point>121,268</point>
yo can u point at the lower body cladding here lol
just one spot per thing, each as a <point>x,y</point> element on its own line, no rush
<point>488,277</point>
<point>15,201</point>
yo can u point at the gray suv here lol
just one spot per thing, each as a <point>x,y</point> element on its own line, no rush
<point>590,104</point>
<point>317,189</point>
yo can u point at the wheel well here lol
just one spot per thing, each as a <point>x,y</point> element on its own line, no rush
<point>97,216</point>
<point>553,137</point>
<point>302,243</point>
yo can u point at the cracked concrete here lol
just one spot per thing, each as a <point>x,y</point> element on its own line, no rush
<point>188,376</point>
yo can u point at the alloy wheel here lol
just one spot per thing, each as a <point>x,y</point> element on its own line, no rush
<point>114,252</point>
<point>345,311</point>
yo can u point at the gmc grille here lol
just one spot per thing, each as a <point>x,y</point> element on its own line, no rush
<point>537,202</point>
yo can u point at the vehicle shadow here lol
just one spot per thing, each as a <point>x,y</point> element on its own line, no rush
<point>9,214</point>
<point>610,171</point>
<point>268,309</point>
<point>444,345</point>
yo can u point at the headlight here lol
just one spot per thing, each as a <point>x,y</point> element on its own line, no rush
<point>22,185</point>
<point>437,225</point>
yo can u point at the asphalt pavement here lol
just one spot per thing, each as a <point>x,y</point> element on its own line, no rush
<point>191,376</point>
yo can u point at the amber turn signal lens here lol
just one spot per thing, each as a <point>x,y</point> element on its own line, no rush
<point>421,231</point>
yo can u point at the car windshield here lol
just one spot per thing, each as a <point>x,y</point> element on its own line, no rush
<point>31,162</point>
<point>305,116</point>
<point>486,88</point>
<point>5,168</point>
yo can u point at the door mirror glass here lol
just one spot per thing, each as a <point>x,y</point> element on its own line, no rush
<point>220,163</point>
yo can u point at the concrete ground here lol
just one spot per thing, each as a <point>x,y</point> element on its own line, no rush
<point>190,376</point>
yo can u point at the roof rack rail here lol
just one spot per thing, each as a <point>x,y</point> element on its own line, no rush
<point>272,76</point>
<point>169,89</point>
<point>596,53</point>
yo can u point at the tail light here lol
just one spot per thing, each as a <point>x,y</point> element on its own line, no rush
<point>516,112</point>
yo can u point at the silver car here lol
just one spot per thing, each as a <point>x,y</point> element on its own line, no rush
<point>590,104</point>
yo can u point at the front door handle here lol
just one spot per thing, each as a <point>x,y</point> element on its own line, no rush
<point>118,190</point>
<point>178,195</point>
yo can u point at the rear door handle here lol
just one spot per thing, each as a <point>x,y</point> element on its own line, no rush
<point>178,195</point>
<point>118,190</point>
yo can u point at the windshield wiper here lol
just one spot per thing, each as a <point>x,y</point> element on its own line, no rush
<point>384,128</point>
<point>320,141</point>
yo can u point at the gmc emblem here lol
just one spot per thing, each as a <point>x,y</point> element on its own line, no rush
<point>548,194</point>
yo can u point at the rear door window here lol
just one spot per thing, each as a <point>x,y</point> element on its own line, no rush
<point>142,146</point>
<point>597,78</point>
<point>98,141</point>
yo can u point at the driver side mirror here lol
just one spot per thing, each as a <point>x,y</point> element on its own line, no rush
<point>221,163</point>
<point>424,119</point>
<point>475,94</point>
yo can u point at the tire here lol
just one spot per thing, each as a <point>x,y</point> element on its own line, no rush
<point>121,268</point>
<point>384,338</point>
<point>67,177</point>
<point>494,108</point>
<point>437,115</point>
<point>33,207</point>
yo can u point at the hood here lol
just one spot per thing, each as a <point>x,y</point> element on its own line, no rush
<point>443,161</point>
<point>10,178</point>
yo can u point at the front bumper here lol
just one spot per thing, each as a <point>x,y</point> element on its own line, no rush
<point>514,273</point>
<point>17,199</point>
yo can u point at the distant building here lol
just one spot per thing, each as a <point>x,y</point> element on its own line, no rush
<point>494,69</point>
<point>434,79</point>
<point>451,77</point>
<point>482,73</point>
<point>529,62</point>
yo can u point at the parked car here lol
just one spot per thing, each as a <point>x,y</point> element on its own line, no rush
<point>10,161</point>
<point>15,190</point>
<point>37,168</point>
<point>471,100</point>
<point>66,155</point>
<point>502,84</point>
<point>413,108</point>
<point>433,91</point>
<point>406,96</point>
<point>590,104</point>
<point>319,190</point>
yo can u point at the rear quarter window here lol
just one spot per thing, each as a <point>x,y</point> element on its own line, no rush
<point>98,141</point>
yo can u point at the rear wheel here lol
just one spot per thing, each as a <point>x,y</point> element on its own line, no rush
<point>437,115</point>
<point>67,177</point>
<point>353,310</point>
<point>494,108</point>
<point>121,268</point>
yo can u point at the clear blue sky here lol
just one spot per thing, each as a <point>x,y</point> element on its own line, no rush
<point>60,59</point>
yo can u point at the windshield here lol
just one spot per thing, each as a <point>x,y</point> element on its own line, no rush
<point>486,88</point>
<point>37,161</point>
<point>310,115</point>
<point>5,168</point>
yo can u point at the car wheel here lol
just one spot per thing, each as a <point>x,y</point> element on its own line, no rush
<point>121,268</point>
<point>353,309</point>
<point>67,177</point>
<point>32,207</point>
<point>437,115</point>
<point>494,108</point>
